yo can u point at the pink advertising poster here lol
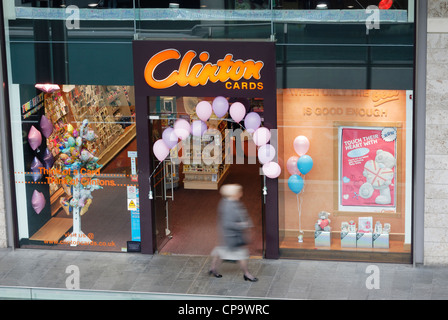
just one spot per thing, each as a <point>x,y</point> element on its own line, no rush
<point>367,167</point>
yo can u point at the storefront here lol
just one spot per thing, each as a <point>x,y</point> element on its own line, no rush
<point>132,159</point>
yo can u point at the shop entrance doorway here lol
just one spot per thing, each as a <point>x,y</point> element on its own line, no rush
<point>185,185</point>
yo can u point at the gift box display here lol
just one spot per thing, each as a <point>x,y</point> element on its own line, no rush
<point>348,239</point>
<point>381,236</point>
<point>348,234</point>
<point>364,240</point>
<point>381,240</point>
<point>322,238</point>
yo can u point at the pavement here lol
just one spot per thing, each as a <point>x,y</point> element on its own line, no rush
<point>53,274</point>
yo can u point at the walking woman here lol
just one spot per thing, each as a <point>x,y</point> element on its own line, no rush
<point>233,224</point>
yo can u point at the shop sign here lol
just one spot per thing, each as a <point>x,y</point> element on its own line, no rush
<point>220,67</point>
<point>224,70</point>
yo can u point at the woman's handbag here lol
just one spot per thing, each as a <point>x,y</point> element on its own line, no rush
<point>237,240</point>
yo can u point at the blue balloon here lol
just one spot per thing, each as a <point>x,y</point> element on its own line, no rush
<point>305,164</point>
<point>295,183</point>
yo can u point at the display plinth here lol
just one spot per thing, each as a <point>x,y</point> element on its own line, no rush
<point>381,240</point>
<point>322,238</point>
<point>348,239</point>
<point>364,240</point>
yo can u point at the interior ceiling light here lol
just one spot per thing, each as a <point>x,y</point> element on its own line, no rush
<point>385,4</point>
<point>322,6</point>
<point>46,87</point>
<point>92,5</point>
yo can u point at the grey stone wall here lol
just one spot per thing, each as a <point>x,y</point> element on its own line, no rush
<point>436,167</point>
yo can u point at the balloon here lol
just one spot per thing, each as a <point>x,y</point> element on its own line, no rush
<point>291,165</point>
<point>295,183</point>
<point>301,145</point>
<point>160,149</point>
<point>252,122</point>
<point>46,126</point>
<point>237,111</point>
<point>38,201</point>
<point>271,170</point>
<point>48,159</point>
<point>305,164</point>
<point>34,138</point>
<point>261,136</point>
<point>204,110</point>
<point>169,137</point>
<point>220,106</point>
<point>182,129</point>
<point>35,169</point>
<point>198,128</point>
<point>266,153</point>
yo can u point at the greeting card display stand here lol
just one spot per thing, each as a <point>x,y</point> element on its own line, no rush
<point>77,236</point>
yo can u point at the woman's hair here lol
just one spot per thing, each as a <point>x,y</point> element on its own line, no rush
<point>230,190</point>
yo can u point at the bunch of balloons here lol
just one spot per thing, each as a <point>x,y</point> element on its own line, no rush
<point>299,165</point>
<point>220,107</point>
<point>35,141</point>
<point>76,157</point>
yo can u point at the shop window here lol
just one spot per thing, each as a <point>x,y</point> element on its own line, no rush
<point>76,183</point>
<point>345,192</point>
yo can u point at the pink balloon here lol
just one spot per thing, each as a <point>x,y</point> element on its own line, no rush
<point>291,165</point>
<point>220,106</point>
<point>38,201</point>
<point>301,145</point>
<point>160,149</point>
<point>266,153</point>
<point>204,110</point>
<point>198,128</point>
<point>46,126</point>
<point>237,111</point>
<point>261,136</point>
<point>34,138</point>
<point>271,170</point>
<point>182,129</point>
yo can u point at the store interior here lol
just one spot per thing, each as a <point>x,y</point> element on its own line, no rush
<point>186,216</point>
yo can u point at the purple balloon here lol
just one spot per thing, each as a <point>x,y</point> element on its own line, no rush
<point>38,201</point>
<point>48,159</point>
<point>35,169</point>
<point>198,128</point>
<point>46,126</point>
<point>34,138</point>
<point>220,106</point>
<point>252,122</point>
<point>169,137</point>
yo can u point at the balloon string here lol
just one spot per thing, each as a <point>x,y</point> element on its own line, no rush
<point>231,120</point>
<point>299,208</point>
<point>150,176</point>
<point>299,205</point>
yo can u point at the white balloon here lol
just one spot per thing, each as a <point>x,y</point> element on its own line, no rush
<point>271,170</point>
<point>261,136</point>
<point>266,153</point>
